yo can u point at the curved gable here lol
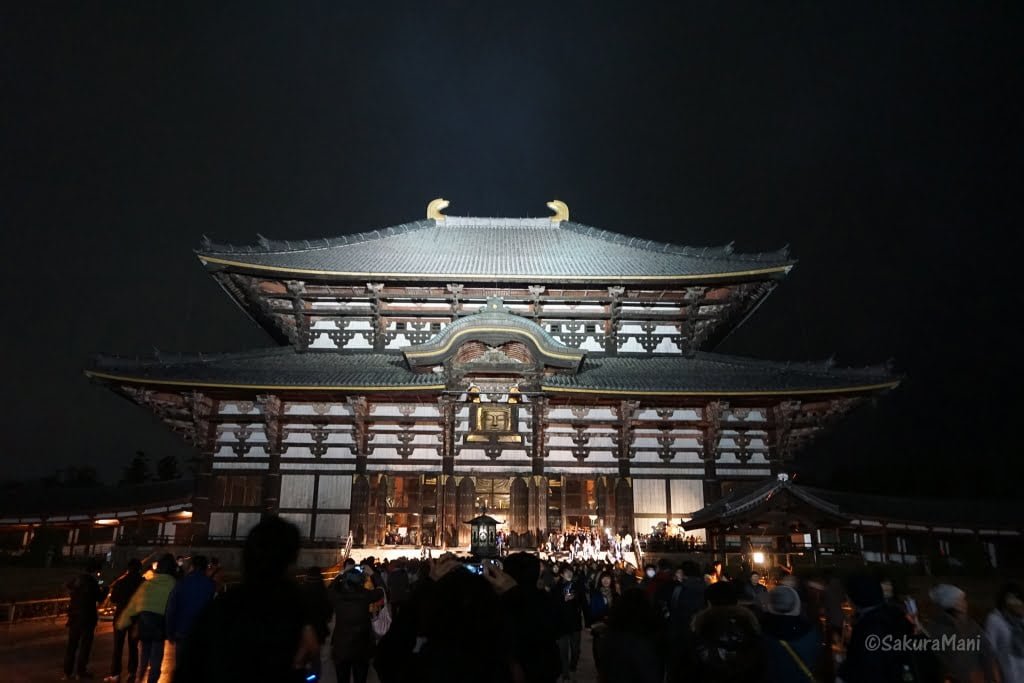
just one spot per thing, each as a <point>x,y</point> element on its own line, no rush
<point>497,334</point>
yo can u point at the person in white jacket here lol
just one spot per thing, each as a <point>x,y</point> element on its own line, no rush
<point>1005,630</point>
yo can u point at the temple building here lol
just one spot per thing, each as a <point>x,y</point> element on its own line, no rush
<point>554,374</point>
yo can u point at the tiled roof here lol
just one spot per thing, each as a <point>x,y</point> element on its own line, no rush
<point>953,512</point>
<point>739,502</point>
<point>509,248</point>
<point>956,512</point>
<point>278,367</point>
<point>713,373</point>
<point>30,498</point>
<point>284,367</point>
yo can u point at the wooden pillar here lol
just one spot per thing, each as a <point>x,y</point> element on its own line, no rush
<point>709,439</point>
<point>204,412</point>
<point>885,544</point>
<point>273,409</point>
<point>446,493</point>
<point>624,506</point>
<point>538,440</point>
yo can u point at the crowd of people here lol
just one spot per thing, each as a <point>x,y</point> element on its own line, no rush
<point>521,619</point>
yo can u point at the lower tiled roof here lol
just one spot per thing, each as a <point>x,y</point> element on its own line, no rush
<point>286,368</point>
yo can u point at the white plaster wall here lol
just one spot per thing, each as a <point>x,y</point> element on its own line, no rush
<point>334,491</point>
<point>296,491</point>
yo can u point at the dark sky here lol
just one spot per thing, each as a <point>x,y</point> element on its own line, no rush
<point>883,144</point>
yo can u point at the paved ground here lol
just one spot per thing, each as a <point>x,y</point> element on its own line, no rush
<point>33,652</point>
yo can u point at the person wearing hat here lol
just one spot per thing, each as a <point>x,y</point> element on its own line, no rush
<point>792,646</point>
<point>953,625</point>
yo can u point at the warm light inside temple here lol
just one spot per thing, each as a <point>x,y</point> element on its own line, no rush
<point>107,522</point>
<point>758,558</point>
<point>187,514</point>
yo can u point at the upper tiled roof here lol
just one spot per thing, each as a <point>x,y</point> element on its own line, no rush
<point>496,248</point>
<point>284,367</point>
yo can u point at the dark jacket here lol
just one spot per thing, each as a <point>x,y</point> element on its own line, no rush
<point>802,638</point>
<point>875,665</point>
<point>398,586</point>
<point>530,622</point>
<point>187,600</point>
<point>250,633</point>
<point>569,612</point>
<point>122,590</point>
<point>686,600</point>
<point>726,642</point>
<point>599,606</point>
<point>317,605</point>
<point>628,657</point>
<point>86,595</point>
<point>353,637</point>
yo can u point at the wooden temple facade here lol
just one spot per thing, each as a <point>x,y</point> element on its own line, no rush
<point>555,374</point>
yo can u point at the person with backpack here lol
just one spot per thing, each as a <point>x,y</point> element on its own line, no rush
<point>149,604</point>
<point>86,594</point>
<point>792,645</point>
<point>121,592</point>
<point>726,638</point>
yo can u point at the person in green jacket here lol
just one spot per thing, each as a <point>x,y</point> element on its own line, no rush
<point>149,605</point>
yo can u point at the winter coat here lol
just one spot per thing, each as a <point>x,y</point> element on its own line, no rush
<point>250,633</point>
<point>1002,630</point>
<point>864,664</point>
<point>122,590</point>
<point>962,665</point>
<point>687,599</point>
<point>600,605</point>
<point>630,657</point>
<point>186,601</point>
<point>353,637</point>
<point>726,642</point>
<point>569,612</point>
<point>398,586</point>
<point>316,603</point>
<point>151,596</point>
<point>86,595</point>
<point>802,638</point>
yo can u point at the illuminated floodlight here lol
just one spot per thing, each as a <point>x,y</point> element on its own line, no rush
<point>758,558</point>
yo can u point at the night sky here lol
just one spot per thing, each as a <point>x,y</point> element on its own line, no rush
<point>884,145</point>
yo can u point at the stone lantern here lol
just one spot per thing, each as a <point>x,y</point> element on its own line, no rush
<point>483,541</point>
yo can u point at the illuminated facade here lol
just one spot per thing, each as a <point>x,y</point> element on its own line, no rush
<point>556,374</point>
